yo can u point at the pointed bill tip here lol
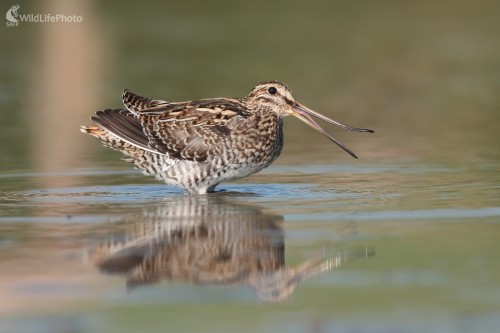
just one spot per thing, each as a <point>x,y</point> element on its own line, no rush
<point>304,114</point>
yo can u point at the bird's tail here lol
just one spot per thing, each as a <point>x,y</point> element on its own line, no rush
<point>94,131</point>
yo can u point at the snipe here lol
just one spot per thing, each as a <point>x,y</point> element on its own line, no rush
<point>199,144</point>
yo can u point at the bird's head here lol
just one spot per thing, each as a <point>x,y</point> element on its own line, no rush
<point>275,96</point>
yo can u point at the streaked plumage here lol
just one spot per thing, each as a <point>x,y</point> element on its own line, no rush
<point>199,144</point>
<point>209,240</point>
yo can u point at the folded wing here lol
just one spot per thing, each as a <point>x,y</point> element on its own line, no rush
<point>194,131</point>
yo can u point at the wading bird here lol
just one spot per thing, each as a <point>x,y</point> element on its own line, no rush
<point>199,144</point>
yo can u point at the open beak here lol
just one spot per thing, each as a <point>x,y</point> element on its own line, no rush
<point>304,114</point>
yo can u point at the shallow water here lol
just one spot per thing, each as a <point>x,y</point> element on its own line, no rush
<point>100,257</point>
<point>405,239</point>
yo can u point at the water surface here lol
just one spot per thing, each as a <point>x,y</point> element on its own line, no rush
<point>101,256</point>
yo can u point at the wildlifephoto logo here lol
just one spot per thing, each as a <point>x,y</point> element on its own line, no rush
<point>14,18</point>
<point>11,16</point>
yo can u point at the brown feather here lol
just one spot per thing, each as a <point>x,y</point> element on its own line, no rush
<point>122,124</point>
<point>136,103</point>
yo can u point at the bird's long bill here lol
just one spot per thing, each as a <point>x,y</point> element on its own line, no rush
<point>304,114</point>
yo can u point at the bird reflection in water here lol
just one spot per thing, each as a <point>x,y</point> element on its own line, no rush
<point>208,240</point>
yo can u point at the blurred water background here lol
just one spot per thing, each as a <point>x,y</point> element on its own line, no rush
<point>405,239</point>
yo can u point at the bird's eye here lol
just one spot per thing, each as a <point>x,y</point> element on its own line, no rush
<point>272,90</point>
